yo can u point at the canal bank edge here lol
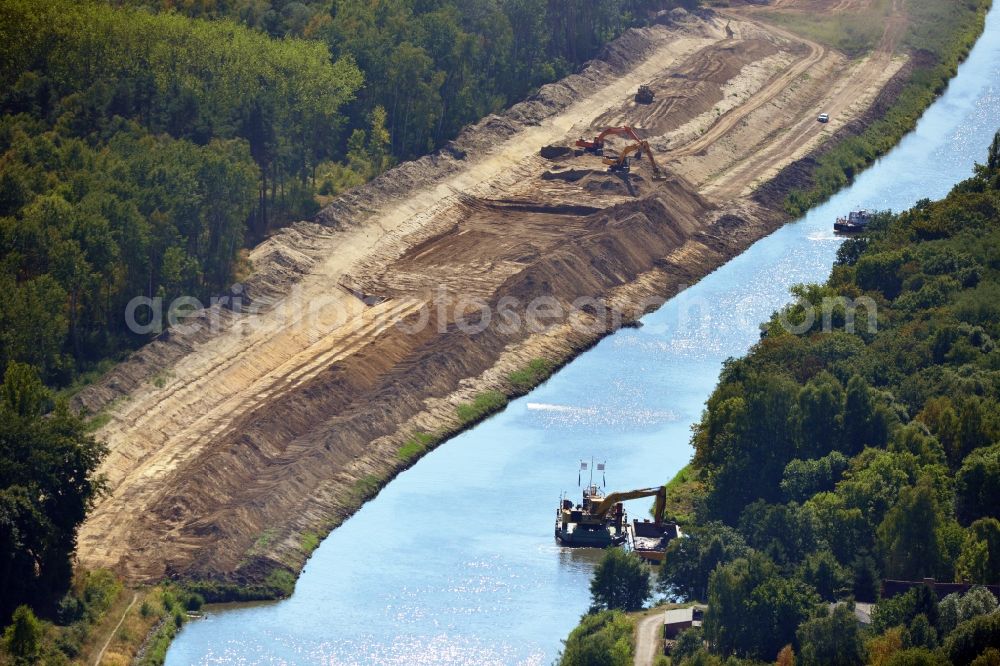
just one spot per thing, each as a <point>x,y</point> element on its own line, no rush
<point>269,571</point>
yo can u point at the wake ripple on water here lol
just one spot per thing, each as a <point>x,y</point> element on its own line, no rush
<point>568,415</point>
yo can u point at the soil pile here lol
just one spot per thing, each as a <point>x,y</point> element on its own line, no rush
<point>376,319</point>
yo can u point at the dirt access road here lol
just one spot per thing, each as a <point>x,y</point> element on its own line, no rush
<point>648,639</point>
<point>230,442</point>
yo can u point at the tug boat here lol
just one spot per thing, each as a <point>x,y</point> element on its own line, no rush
<point>855,222</point>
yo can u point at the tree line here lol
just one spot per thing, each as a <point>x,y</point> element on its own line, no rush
<point>136,148</point>
<point>434,66</point>
<point>828,461</point>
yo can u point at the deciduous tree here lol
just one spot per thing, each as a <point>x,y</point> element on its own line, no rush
<point>620,582</point>
<point>833,639</point>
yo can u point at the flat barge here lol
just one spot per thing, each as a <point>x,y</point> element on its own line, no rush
<point>593,523</point>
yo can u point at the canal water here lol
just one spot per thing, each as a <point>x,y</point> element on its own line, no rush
<point>454,561</point>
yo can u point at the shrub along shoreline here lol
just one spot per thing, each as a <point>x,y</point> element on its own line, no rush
<point>828,461</point>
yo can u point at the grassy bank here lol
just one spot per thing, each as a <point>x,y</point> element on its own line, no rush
<point>261,577</point>
<point>482,406</point>
<point>855,33</point>
<point>681,491</point>
<point>99,619</point>
<point>939,35</point>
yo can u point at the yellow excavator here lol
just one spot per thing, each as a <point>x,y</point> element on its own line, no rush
<point>649,539</point>
<point>609,501</point>
<point>600,520</point>
<point>622,163</point>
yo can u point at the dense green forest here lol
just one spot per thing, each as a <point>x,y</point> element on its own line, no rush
<point>142,146</point>
<point>436,65</point>
<point>135,149</point>
<point>829,459</point>
<point>46,488</point>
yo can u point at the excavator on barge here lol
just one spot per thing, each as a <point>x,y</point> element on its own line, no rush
<point>600,521</point>
<point>591,524</point>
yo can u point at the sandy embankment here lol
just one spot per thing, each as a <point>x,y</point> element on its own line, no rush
<point>228,444</point>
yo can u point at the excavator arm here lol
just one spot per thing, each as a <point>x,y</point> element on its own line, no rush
<point>598,142</point>
<point>657,172</point>
<point>659,492</point>
<point>620,160</point>
<point>641,147</point>
<point>617,131</point>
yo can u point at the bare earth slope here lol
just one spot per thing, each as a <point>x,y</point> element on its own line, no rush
<point>230,441</point>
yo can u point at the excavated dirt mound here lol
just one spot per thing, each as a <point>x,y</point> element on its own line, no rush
<point>569,175</point>
<point>292,252</point>
<point>600,181</point>
<point>227,445</point>
<point>620,185</point>
<point>267,465</point>
<point>556,152</point>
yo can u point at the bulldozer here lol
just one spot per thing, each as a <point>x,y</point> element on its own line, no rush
<point>644,95</point>
<point>623,163</point>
